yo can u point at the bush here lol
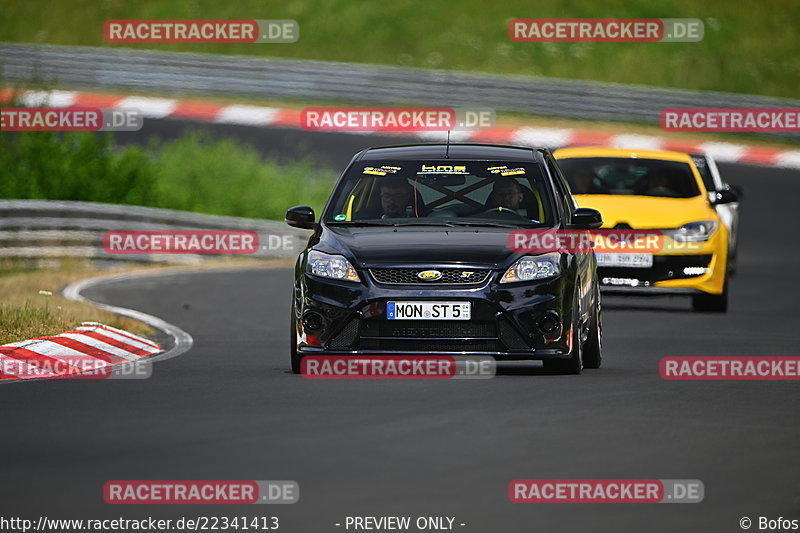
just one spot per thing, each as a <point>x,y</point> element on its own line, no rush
<point>193,173</point>
<point>75,166</point>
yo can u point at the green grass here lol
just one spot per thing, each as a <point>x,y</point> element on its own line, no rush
<point>749,47</point>
<point>193,173</point>
<point>26,313</point>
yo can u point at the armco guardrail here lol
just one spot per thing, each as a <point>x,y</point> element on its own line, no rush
<point>189,73</point>
<point>60,229</point>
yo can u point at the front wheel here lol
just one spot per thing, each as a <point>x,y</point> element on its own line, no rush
<point>732,263</point>
<point>593,349</point>
<point>296,358</point>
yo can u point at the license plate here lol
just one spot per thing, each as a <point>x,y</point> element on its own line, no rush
<point>625,260</point>
<point>428,310</point>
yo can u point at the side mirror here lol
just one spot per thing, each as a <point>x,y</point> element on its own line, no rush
<point>725,196</point>
<point>585,218</point>
<point>738,190</point>
<point>301,216</point>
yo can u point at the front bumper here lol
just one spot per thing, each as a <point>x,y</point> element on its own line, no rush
<point>506,319</point>
<point>702,271</point>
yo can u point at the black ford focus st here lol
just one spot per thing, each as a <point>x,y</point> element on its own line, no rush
<point>411,256</point>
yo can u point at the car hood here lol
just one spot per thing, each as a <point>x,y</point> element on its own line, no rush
<point>370,247</point>
<point>647,212</point>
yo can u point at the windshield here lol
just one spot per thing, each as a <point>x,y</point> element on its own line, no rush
<point>616,175</point>
<point>456,193</point>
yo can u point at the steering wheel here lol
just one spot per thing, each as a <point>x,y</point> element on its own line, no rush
<point>662,191</point>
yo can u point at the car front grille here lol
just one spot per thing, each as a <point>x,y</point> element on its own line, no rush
<point>347,336</point>
<point>428,329</point>
<point>665,267</point>
<point>413,346</point>
<point>485,332</point>
<point>450,276</point>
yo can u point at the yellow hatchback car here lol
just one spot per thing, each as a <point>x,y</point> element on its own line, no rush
<point>654,190</point>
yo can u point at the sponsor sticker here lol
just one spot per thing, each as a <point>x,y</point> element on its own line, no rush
<point>505,171</point>
<point>442,169</point>
<point>381,171</point>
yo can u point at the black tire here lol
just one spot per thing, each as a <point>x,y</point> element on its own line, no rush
<point>574,364</point>
<point>711,303</point>
<point>732,263</point>
<point>295,357</point>
<point>593,349</point>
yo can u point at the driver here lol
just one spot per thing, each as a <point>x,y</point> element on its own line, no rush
<point>583,181</point>
<point>395,194</point>
<point>507,194</point>
<point>657,184</point>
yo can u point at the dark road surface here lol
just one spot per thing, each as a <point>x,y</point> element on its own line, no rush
<point>229,408</point>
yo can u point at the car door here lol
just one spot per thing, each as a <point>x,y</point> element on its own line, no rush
<point>585,262</point>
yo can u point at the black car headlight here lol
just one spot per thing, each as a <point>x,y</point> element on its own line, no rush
<point>533,267</point>
<point>330,266</point>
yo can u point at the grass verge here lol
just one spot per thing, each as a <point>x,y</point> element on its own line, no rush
<point>748,47</point>
<point>33,307</point>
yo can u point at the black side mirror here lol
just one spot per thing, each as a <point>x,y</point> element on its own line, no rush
<point>738,190</point>
<point>585,218</point>
<point>725,196</point>
<point>301,216</point>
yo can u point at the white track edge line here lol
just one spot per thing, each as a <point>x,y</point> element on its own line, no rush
<point>183,341</point>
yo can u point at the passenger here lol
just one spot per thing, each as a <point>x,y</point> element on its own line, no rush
<point>507,194</point>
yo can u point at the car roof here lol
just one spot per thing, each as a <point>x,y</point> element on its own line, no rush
<point>594,151</point>
<point>488,152</point>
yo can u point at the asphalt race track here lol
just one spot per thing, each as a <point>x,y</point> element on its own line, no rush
<point>230,409</point>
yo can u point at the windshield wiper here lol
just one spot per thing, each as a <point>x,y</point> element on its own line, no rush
<point>428,223</point>
<point>489,224</point>
<point>361,223</point>
<point>434,223</point>
<point>393,224</point>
